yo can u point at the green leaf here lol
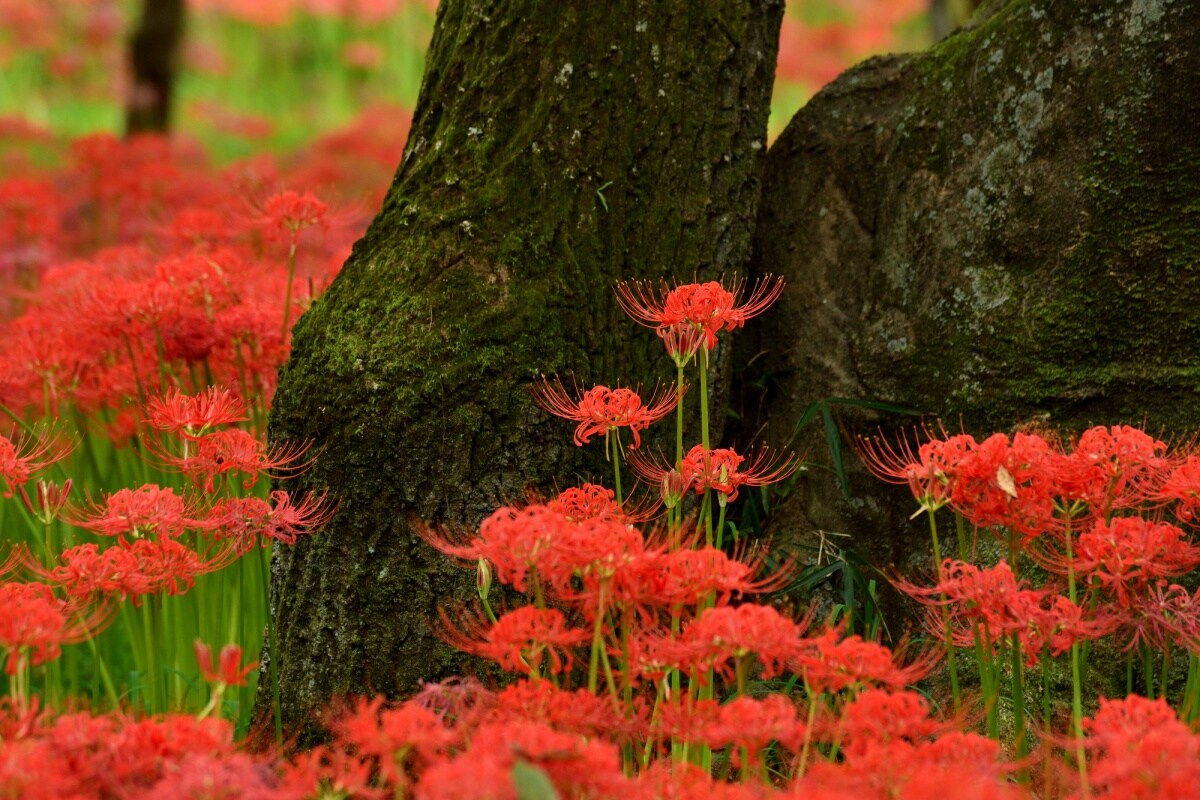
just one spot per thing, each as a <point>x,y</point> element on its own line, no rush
<point>532,783</point>
<point>833,438</point>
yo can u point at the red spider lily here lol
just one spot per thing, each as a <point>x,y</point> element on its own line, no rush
<point>721,470</point>
<point>602,410</point>
<point>593,501</point>
<point>140,568</point>
<point>229,670</point>
<point>598,565</point>
<point>220,452</point>
<point>1112,468</point>
<point>709,307</point>
<point>135,513</point>
<point>750,724</point>
<point>929,472</point>
<point>990,597</point>
<point>719,636</point>
<point>1141,750</point>
<point>690,575</point>
<point>393,737</point>
<point>514,541</point>
<point>252,521</point>
<point>519,640</point>
<point>1055,623</point>
<point>589,501</point>
<point>36,624</point>
<point>831,662</point>
<point>682,342</point>
<point>875,718</point>
<point>580,711</point>
<point>1127,554</point>
<point>287,213</point>
<point>1008,483</point>
<point>192,416</point>
<point>50,502</point>
<point>21,456</point>
<point>1181,486</point>
<point>892,749</point>
<point>1159,616</point>
<point>574,766</point>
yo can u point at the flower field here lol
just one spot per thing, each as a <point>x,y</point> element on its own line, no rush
<point>150,285</point>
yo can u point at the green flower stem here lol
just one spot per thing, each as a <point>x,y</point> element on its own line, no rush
<point>705,440</point>
<point>1018,697</point>
<point>264,559</point>
<point>597,641</point>
<point>950,649</point>
<point>1148,670</point>
<point>287,297</point>
<point>1165,675</point>
<point>721,525</point>
<point>1076,677</point>
<point>679,419</point>
<point>616,462</point>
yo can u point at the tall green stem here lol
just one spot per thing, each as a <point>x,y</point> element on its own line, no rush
<point>272,669</point>
<point>1076,677</point>
<point>950,649</point>
<point>287,298</point>
<point>616,460</point>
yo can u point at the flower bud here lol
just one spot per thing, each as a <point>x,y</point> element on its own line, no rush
<point>483,579</point>
<point>673,487</point>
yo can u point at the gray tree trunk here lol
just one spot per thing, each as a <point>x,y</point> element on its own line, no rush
<point>556,147</point>
<point>1004,229</point>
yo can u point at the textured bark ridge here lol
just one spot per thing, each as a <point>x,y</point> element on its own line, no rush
<point>1003,229</point>
<point>556,147</point>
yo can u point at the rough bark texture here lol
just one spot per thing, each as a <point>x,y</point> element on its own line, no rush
<point>1002,230</point>
<point>154,56</point>
<point>556,147</point>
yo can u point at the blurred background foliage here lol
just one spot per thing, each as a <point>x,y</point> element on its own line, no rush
<point>272,75</point>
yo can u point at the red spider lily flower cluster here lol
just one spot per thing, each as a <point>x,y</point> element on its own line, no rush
<point>163,541</point>
<point>228,669</point>
<point>722,470</point>
<point>35,624</point>
<point>705,307</point>
<point>603,410</point>
<point>1097,510</point>
<point>22,456</point>
<point>152,268</point>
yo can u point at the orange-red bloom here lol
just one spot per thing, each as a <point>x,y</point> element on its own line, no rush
<point>708,307</point>
<point>601,409</point>
<point>228,670</point>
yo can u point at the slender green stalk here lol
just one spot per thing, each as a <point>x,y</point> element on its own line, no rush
<point>1076,676</point>
<point>291,277</point>
<point>951,661</point>
<point>1018,698</point>
<point>272,669</point>
<point>597,641</point>
<point>1147,670</point>
<point>616,462</point>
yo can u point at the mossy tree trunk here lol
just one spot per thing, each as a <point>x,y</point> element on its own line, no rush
<point>154,59</point>
<point>556,147</point>
<point>1002,230</point>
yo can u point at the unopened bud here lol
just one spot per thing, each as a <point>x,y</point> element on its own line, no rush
<point>49,502</point>
<point>673,487</point>
<point>483,579</point>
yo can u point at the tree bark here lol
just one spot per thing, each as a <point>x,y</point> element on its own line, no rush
<point>153,57</point>
<point>556,147</point>
<point>999,231</point>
